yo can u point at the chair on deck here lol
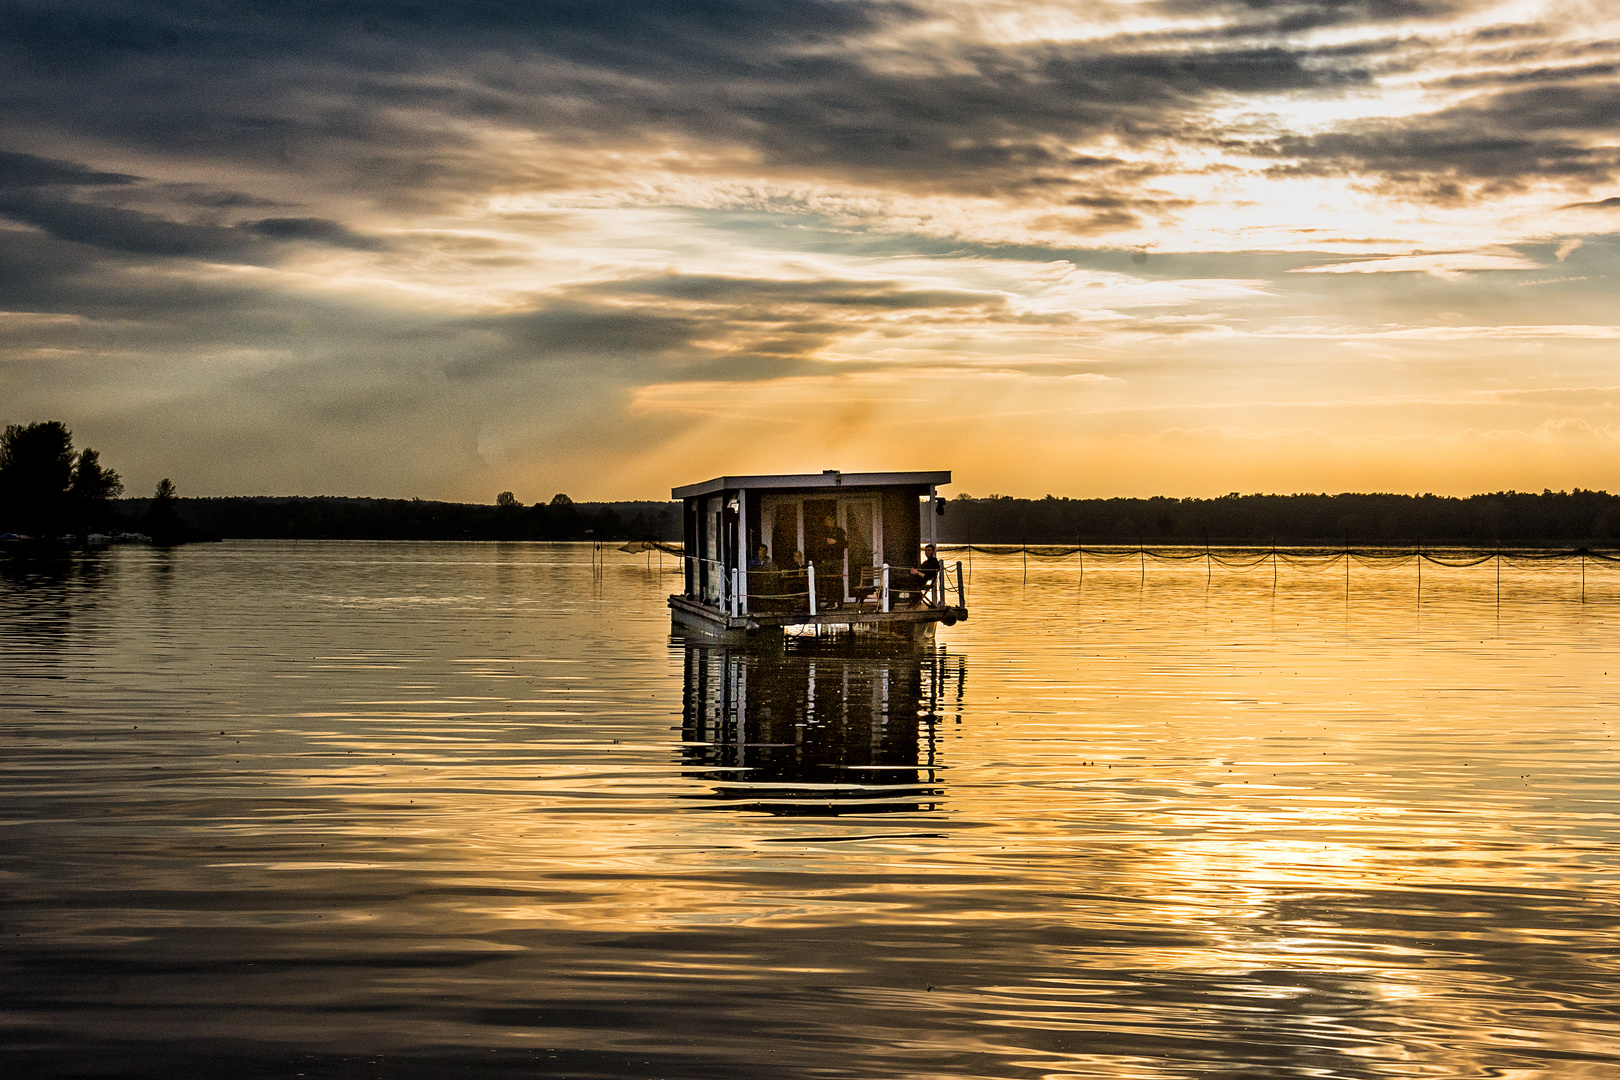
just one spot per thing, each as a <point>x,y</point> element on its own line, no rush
<point>867,586</point>
<point>908,586</point>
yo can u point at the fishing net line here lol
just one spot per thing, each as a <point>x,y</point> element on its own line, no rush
<point>1300,558</point>
<point>1306,559</point>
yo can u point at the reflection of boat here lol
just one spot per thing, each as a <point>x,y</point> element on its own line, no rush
<point>817,732</point>
<point>826,549</point>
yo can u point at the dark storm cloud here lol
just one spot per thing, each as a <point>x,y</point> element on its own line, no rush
<point>21,171</point>
<point>765,296</point>
<point>318,89</point>
<point>1292,16</point>
<point>50,194</point>
<point>118,305</point>
<point>303,86</point>
<point>315,230</point>
<point>120,229</point>
<point>143,233</point>
<point>1513,137</point>
<point>997,127</point>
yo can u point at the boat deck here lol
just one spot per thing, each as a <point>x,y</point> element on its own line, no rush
<point>711,619</point>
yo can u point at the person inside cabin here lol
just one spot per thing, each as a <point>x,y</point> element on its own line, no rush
<point>763,581</point>
<point>829,562</point>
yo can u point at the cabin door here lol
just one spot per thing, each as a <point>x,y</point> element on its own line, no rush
<point>710,573</point>
<point>863,530</point>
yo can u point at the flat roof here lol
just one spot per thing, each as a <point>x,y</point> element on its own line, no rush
<point>832,478</point>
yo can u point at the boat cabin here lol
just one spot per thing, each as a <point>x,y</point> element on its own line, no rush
<point>818,549</point>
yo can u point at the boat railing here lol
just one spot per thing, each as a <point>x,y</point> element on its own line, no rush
<point>772,591</point>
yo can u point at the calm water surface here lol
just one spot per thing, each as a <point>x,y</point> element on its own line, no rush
<point>345,809</point>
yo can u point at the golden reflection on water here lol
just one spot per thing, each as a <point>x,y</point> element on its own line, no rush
<point>469,807</point>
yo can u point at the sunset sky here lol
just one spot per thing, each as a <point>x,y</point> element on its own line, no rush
<point>1093,248</point>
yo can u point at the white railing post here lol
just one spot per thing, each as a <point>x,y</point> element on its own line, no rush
<point>810,574</point>
<point>885,605</point>
<point>736,591</point>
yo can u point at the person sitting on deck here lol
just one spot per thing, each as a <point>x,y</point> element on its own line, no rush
<point>922,578</point>
<point>760,559</point>
<point>930,567</point>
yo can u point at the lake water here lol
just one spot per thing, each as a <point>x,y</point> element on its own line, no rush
<point>351,809</point>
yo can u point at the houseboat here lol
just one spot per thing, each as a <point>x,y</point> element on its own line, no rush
<point>830,549</point>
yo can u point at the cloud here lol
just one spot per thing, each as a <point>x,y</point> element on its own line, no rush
<point>119,229</point>
<point>18,171</point>
<point>780,295</point>
<point>1441,264</point>
<point>316,230</point>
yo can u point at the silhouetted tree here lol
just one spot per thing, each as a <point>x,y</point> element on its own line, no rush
<point>162,520</point>
<point>92,481</point>
<point>45,487</point>
<point>92,491</point>
<point>506,501</point>
<point>560,499</point>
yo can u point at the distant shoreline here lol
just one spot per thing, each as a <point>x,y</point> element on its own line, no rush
<point>1557,520</point>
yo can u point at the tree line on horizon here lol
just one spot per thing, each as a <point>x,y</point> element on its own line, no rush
<point>1578,518</point>
<point>338,518</point>
<point>1509,519</point>
<point>49,489</point>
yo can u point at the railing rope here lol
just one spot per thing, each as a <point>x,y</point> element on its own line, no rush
<point>735,590</point>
